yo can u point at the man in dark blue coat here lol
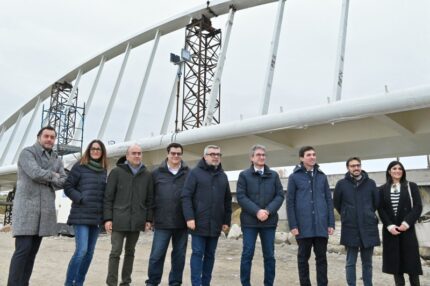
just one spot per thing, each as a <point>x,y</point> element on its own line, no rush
<point>260,194</point>
<point>206,203</point>
<point>310,215</point>
<point>356,199</point>
<point>169,222</point>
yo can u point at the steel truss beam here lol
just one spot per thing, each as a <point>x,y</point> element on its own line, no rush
<point>204,43</point>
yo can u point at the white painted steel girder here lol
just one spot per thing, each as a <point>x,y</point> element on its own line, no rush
<point>340,57</point>
<point>268,80</point>
<point>350,109</point>
<point>26,132</point>
<point>133,118</point>
<point>114,93</point>
<point>218,73</point>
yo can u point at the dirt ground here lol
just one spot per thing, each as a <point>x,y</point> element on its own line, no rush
<point>55,253</point>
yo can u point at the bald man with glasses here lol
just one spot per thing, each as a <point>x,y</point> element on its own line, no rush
<point>127,211</point>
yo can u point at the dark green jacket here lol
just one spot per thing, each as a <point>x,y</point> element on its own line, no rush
<point>128,199</point>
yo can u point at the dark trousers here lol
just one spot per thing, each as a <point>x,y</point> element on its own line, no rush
<point>21,264</point>
<point>160,244</point>
<point>267,238</point>
<point>117,241</point>
<point>366,265</point>
<point>399,279</point>
<point>202,259</point>
<point>304,253</point>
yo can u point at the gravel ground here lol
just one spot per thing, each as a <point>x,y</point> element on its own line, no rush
<point>55,252</point>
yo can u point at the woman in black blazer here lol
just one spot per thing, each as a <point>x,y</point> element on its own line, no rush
<point>400,208</point>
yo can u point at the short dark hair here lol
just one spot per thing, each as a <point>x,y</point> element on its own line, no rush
<point>46,128</point>
<point>304,149</point>
<point>388,176</point>
<point>174,145</point>
<point>352,159</point>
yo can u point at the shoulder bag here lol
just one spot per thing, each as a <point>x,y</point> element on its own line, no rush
<point>422,226</point>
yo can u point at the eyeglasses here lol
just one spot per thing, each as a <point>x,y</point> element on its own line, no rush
<point>175,154</point>
<point>215,154</point>
<point>95,149</point>
<point>260,155</point>
<point>355,166</point>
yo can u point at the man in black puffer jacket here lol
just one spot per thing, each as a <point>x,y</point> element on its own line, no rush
<point>169,222</point>
<point>356,199</point>
<point>260,194</point>
<point>206,202</point>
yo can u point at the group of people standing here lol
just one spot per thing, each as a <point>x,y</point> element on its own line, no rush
<point>398,203</point>
<point>175,201</point>
<point>358,200</point>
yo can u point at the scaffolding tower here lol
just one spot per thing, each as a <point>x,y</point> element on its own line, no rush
<point>62,114</point>
<point>204,43</point>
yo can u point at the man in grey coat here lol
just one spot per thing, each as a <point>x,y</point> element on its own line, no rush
<point>40,173</point>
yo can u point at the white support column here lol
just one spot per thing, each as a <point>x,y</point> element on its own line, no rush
<point>133,119</point>
<point>3,130</point>
<point>210,110</point>
<point>173,95</point>
<point>27,130</point>
<point>338,73</point>
<point>265,99</point>
<point>11,138</point>
<point>78,131</point>
<point>75,87</point>
<point>114,93</point>
<point>95,83</point>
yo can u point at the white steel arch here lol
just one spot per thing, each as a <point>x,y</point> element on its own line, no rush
<point>397,121</point>
<point>175,23</point>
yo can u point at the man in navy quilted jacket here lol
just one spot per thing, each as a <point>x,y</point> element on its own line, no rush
<point>260,195</point>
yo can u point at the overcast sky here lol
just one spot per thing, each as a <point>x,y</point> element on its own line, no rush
<point>388,43</point>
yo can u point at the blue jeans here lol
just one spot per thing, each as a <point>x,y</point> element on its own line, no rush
<point>85,239</point>
<point>267,237</point>
<point>202,259</point>
<point>160,243</point>
<point>366,262</point>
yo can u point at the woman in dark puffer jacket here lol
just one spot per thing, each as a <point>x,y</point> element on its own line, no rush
<point>85,186</point>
